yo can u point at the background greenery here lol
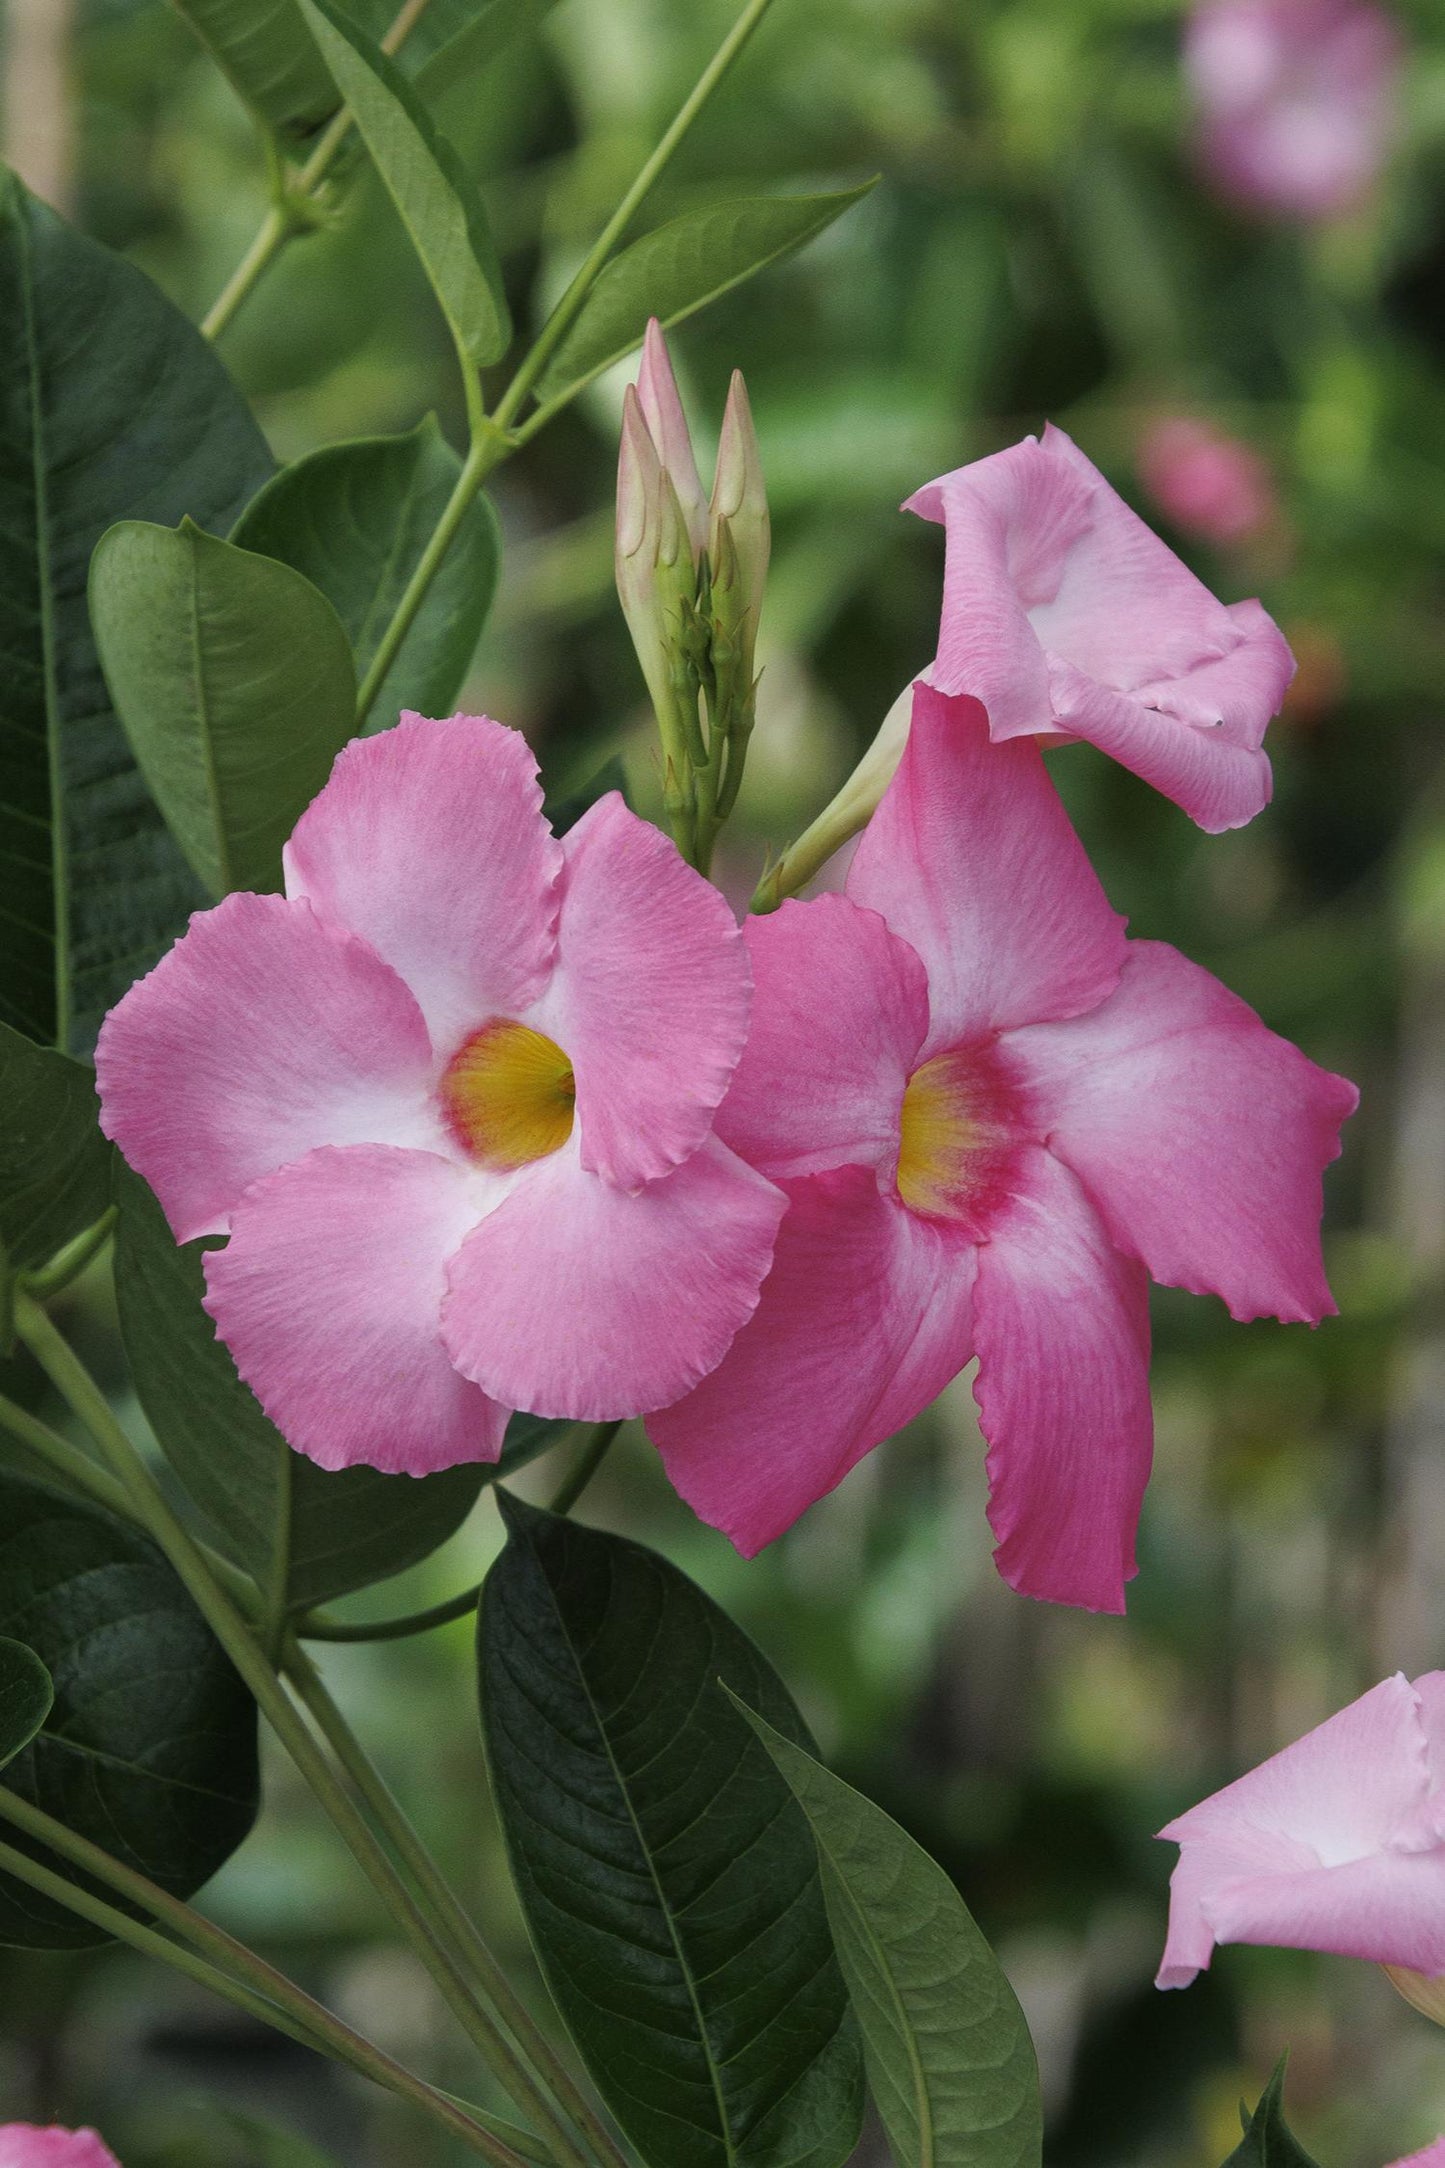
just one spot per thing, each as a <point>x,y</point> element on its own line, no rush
<point>1040,246</point>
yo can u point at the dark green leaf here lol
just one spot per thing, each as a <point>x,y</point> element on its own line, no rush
<point>355,518</point>
<point>150,1748</point>
<point>346,1530</point>
<point>1268,2142</point>
<point>565,810</point>
<point>668,1879</point>
<point>678,269</point>
<point>264,48</point>
<point>54,1162</point>
<point>950,2062</point>
<point>433,192</point>
<point>234,680</point>
<point>113,406</point>
<point>26,1695</point>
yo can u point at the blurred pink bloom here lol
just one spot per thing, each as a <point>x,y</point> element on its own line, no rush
<point>26,2145</point>
<point>1432,2157</point>
<point>1066,616</point>
<point>1337,1843</point>
<point>993,1118</point>
<point>1205,482</point>
<point>1295,100</point>
<point>452,1099</point>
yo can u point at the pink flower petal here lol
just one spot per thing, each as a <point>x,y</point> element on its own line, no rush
<point>649,998</point>
<point>27,2145</point>
<point>1061,1323</point>
<point>840,1013</point>
<point>1199,1134</point>
<point>863,1320</point>
<point>263,1033</point>
<point>329,1296</point>
<point>1432,2157</point>
<point>429,842</point>
<point>1388,1909</point>
<point>1221,785</point>
<point>971,858</point>
<point>574,1299</point>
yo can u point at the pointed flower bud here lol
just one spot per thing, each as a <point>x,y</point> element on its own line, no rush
<point>739,535</point>
<point>653,563</point>
<point>662,411</point>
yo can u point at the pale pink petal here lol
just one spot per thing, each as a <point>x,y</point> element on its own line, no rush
<point>263,1033</point>
<point>1432,2157</point>
<point>840,1013</point>
<point>1388,1909</point>
<point>863,1320</point>
<point>971,858</point>
<point>649,997</point>
<point>1219,783</point>
<point>1061,1324</point>
<point>27,2145</point>
<point>1430,1692</point>
<point>667,426</point>
<point>1199,1135</point>
<point>1237,1852</point>
<point>575,1299</point>
<point>329,1296</point>
<point>429,841</point>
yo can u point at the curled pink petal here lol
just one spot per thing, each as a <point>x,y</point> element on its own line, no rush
<point>28,2145</point>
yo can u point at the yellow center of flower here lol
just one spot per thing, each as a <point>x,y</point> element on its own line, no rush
<point>957,1134</point>
<point>509,1096</point>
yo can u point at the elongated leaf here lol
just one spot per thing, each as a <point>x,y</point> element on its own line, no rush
<point>432,190</point>
<point>54,1162</point>
<point>355,518</point>
<point>465,48</point>
<point>668,1880</point>
<point>1268,2142</point>
<point>677,269</point>
<point>950,2061</point>
<point>114,406</point>
<point>264,47</point>
<point>150,1747</point>
<point>234,680</point>
<point>26,1697</point>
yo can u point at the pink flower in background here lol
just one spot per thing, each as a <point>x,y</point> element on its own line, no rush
<point>1337,1843</point>
<point>1295,100</point>
<point>1432,2157</point>
<point>452,1099</point>
<point>1205,482</point>
<point>26,2145</point>
<point>1067,617</point>
<point>993,1118</point>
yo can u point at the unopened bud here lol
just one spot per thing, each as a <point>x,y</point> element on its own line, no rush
<point>739,534</point>
<point>847,813</point>
<point>653,561</point>
<point>662,411</point>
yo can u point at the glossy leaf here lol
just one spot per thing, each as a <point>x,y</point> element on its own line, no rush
<point>345,1530</point>
<point>677,269</point>
<point>26,1697</point>
<point>54,1162</point>
<point>114,407</point>
<point>234,680</point>
<point>355,518</point>
<point>668,1879</point>
<point>1268,2142</point>
<point>150,1747</point>
<point>950,2062</point>
<point>433,192</point>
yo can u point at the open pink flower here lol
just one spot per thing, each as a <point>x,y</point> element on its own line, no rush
<point>993,1117</point>
<point>27,2145</point>
<point>1337,1843</point>
<point>1066,616</point>
<point>1296,100</point>
<point>452,1098</point>
<point>1207,483</point>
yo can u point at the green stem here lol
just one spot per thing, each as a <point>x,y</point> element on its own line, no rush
<point>271,236</point>
<point>66,1459</point>
<point>68,1264</point>
<point>596,1452</point>
<point>318,1626</point>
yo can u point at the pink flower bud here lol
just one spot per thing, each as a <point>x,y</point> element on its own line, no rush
<point>1205,482</point>
<point>662,411</point>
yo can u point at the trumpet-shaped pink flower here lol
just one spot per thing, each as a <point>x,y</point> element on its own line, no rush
<point>27,2145</point>
<point>993,1118</point>
<point>1337,1843</point>
<point>1066,616</point>
<point>452,1099</point>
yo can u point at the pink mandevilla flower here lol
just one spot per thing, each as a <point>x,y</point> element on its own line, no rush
<point>27,2145</point>
<point>1295,100</point>
<point>1337,1843</point>
<point>452,1097</point>
<point>1207,483</point>
<point>1068,617</point>
<point>993,1117</point>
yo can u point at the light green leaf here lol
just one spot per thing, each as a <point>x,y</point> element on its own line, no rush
<point>676,270</point>
<point>433,192</point>
<point>355,518</point>
<point>234,680</point>
<point>27,1693</point>
<point>948,2054</point>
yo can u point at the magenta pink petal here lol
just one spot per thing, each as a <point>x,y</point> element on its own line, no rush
<point>329,1296</point>
<point>972,859</point>
<point>1200,1135</point>
<point>1061,1324</point>
<point>263,1033</point>
<point>1219,783</point>
<point>863,1320</point>
<point>575,1299</point>
<point>429,841</point>
<point>840,1013</point>
<point>649,997</point>
<point>28,2145</point>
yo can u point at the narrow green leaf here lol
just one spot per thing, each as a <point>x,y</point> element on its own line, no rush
<point>26,1696</point>
<point>270,58</point>
<point>950,2062</point>
<point>346,1530</point>
<point>1268,2142</point>
<point>114,406</point>
<point>234,680</point>
<point>471,46</point>
<point>677,269</point>
<point>150,1747</point>
<point>669,1883</point>
<point>432,190</point>
<point>54,1162</point>
<point>355,518</point>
